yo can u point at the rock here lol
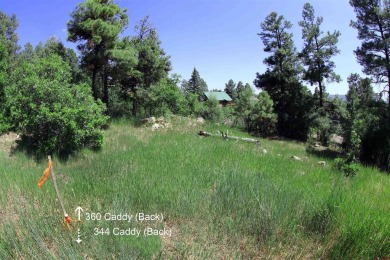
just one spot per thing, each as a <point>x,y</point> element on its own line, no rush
<point>316,145</point>
<point>152,120</point>
<point>323,163</point>
<point>296,158</point>
<point>200,120</point>
<point>228,122</point>
<point>264,151</point>
<point>167,125</point>
<point>160,120</point>
<point>156,126</point>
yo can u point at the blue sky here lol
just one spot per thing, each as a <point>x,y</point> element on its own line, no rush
<point>218,37</point>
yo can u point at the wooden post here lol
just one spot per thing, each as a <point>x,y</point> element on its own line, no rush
<point>53,178</point>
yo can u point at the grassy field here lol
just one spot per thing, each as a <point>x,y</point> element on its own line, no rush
<point>220,200</point>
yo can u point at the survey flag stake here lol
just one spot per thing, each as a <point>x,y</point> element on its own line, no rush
<point>45,176</point>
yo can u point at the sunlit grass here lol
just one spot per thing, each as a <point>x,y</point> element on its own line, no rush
<point>222,199</point>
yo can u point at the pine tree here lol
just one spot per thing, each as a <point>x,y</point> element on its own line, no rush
<point>373,26</point>
<point>280,79</point>
<point>231,89</point>
<point>96,25</point>
<point>153,64</point>
<point>318,51</point>
<point>196,84</point>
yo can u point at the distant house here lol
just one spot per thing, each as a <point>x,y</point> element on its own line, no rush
<point>223,98</point>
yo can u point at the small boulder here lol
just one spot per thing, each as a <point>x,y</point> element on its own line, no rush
<point>200,120</point>
<point>322,163</point>
<point>264,151</point>
<point>296,158</point>
<point>156,126</point>
<point>152,120</point>
<point>160,120</point>
<point>228,122</point>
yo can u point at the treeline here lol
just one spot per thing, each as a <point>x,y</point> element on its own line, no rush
<point>363,118</point>
<point>59,101</point>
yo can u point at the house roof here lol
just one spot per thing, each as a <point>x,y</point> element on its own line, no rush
<point>218,95</point>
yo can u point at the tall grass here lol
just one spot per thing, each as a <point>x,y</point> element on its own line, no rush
<point>222,199</point>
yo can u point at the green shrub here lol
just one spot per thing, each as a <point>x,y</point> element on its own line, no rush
<point>52,115</point>
<point>212,110</point>
<point>376,145</point>
<point>349,169</point>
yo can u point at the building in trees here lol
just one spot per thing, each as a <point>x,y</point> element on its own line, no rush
<point>222,97</point>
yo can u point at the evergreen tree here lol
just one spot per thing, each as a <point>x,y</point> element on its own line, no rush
<point>281,77</point>
<point>196,84</point>
<point>9,38</point>
<point>231,89</point>
<point>240,86</point>
<point>318,51</point>
<point>373,26</point>
<point>96,24</point>
<point>153,64</point>
<point>8,50</point>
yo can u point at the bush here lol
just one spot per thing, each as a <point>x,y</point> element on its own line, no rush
<point>52,115</point>
<point>376,146</point>
<point>256,113</point>
<point>348,168</point>
<point>212,110</point>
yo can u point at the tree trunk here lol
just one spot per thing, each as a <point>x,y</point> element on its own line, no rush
<point>105,87</point>
<point>94,91</point>
<point>321,94</point>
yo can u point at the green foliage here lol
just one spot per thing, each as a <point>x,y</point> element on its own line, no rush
<point>372,24</point>
<point>348,168</point>
<point>195,107</point>
<point>52,115</point>
<point>317,52</point>
<point>9,38</point>
<point>292,101</point>
<point>360,113</point>
<point>152,64</point>
<point>8,49</point>
<point>212,110</point>
<point>96,24</point>
<point>165,98</point>
<point>231,89</point>
<point>255,114</point>
<point>195,85</point>
<point>55,46</point>
<point>263,117</point>
<point>376,145</point>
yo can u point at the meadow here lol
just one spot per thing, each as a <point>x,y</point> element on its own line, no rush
<point>221,199</point>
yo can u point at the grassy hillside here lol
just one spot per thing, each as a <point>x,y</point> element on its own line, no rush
<point>220,199</point>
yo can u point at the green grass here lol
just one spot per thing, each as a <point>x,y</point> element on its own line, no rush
<point>221,199</point>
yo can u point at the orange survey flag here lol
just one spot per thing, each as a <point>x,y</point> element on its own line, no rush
<point>45,175</point>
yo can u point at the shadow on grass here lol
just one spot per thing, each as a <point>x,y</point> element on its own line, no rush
<point>27,147</point>
<point>324,152</point>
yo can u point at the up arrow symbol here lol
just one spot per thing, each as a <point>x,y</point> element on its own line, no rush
<point>78,211</point>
